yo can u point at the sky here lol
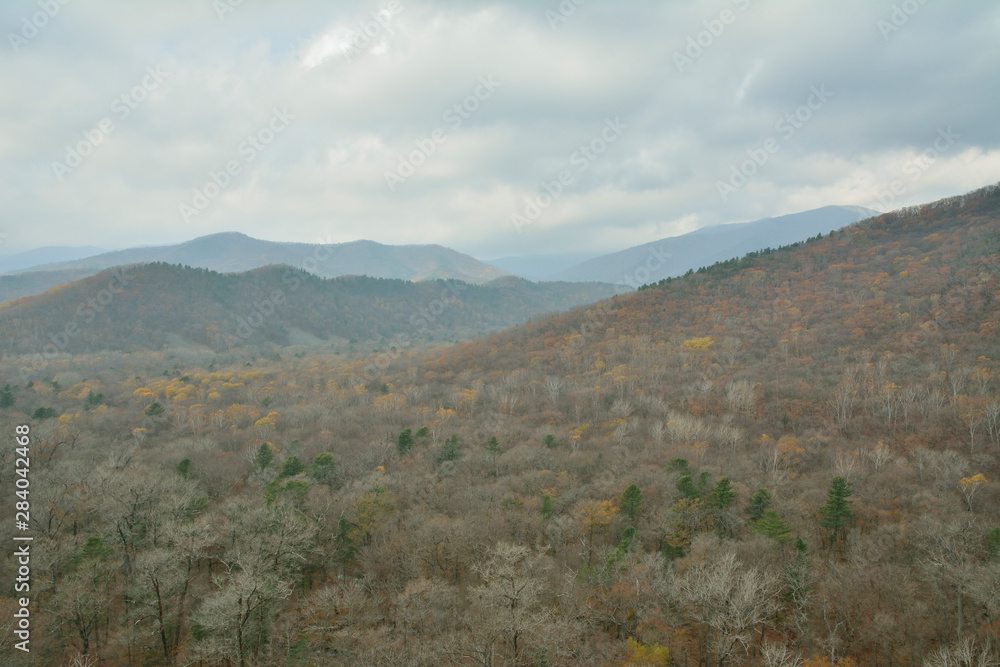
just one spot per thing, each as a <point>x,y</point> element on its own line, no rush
<point>497,129</point>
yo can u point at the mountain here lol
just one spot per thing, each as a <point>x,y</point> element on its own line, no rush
<point>37,282</point>
<point>148,306</point>
<point>540,267</point>
<point>898,286</point>
<point>777,454</point>
<point>49,254</point>
<point>232,252</point>
<point>675,255</point>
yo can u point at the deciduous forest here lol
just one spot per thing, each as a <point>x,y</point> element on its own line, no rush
<point>787,459</point>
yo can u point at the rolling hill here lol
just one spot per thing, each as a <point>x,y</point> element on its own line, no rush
<point>232,252</point>
<point>148,306</point>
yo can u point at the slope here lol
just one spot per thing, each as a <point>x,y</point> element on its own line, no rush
<point>675,255</point>
<point>145,306</point>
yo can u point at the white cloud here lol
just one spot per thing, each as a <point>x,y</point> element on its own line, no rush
<point>358,108</point>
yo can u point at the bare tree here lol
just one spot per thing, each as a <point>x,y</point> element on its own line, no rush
<point>719,591</point>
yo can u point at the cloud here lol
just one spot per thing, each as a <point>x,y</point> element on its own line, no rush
<point>365,95</point>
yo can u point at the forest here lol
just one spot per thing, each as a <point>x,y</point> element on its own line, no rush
<point>790,459</point>
<point>156,306</point>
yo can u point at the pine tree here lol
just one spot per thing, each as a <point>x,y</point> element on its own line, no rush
<point>548,507</point>
<point>264,457</point>
<point>404,443</point>
<point>323,468</point>
<point>771,525</point>
<point>685,484</point>
<point>836,513</point>
<point>631,503</point>
<point>292,467</point>
<point>760,501</point>
<point>993,543</point>
<point>722,496</point>
<point>6,397</point>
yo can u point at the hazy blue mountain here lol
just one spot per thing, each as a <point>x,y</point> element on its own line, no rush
<point>47,255</point>
<point>232,252</point>
<point>673,256</point>
<point>540,267</point>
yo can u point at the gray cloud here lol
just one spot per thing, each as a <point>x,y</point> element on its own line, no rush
<point>354,119</point>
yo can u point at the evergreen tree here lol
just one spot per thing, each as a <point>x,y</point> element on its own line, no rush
<point>344,549</point>
<point>685,484</point>
<point>760,501</point>
<point>323,468</point>
<point>405,442</point>
<point>836,514</point>
<point>631,503</point>
<point>264,457</point>
<point>771,525</point>
<point>44,413</point>
<point>722,496</point>
<point>292,467</point>
<point>679,465</point>
<point>93,400</point>
<point>450,450</point>
<point>493,446</point>
<point>548,507</point>
<point>993,544</point>
<point>6,397</point>
<point>154,409</point>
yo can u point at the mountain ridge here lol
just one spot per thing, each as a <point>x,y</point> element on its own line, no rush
<point>673,256</point>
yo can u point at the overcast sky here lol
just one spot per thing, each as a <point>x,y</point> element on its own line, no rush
<point>668,98</point>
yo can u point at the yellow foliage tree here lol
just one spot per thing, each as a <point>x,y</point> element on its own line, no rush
<point>646,655</point>
<point>969,486</point>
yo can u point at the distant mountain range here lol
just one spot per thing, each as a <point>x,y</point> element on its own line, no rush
<point>232,252</point>
<point>151,306</point>
<point>674,256</point>
<point>38,256</point>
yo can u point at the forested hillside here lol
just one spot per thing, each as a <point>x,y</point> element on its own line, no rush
<point>149,306</point>
<point>789,459</point>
